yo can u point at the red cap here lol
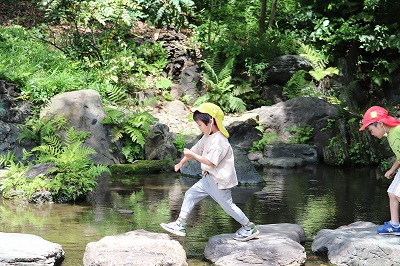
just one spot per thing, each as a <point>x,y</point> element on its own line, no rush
<point>376,114</point>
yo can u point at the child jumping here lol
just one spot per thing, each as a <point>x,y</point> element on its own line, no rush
<point>215,154</point>
<point>380,124</point>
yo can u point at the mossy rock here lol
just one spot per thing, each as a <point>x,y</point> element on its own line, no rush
<point>143,166</point>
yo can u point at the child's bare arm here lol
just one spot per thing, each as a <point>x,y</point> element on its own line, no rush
<point>190,154</point>
<point>389,174</point>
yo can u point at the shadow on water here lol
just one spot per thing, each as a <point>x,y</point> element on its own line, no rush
<point>316,198</point>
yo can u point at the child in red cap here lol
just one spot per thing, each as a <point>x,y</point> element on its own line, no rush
<point>380,124</point>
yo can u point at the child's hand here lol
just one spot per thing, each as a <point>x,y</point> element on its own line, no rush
<point>177,167</point>
<point>389,174</point>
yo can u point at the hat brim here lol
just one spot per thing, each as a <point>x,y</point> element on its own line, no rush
<point>222,128</point>
<point>364,126</point>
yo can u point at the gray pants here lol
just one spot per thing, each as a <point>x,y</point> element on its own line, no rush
<point>207,187</point>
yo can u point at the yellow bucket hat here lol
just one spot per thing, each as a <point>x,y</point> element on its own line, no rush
<point>215,112</point>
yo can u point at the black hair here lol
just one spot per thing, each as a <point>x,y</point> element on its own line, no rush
<point>205,118</point>
<point>373,124</point>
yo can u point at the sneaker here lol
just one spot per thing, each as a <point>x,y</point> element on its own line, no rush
<point>246,233</point>
<point>387,229</point>
<point>177,228</point>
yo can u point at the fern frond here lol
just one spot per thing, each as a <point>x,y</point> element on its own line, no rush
<point>226,71</point>
<point>47,150</point>
<point>116,134</point>
<point>209,72</point>
<point>73,136</point>
<point>243,88</point>
<point>234,104</point>
<point>53,141</point>
<point>6,159</point>
<point>317,59</point>
<point>116,94</point>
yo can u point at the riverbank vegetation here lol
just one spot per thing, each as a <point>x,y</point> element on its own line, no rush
<point>67,45</point>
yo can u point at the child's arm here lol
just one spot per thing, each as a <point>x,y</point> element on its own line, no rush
<point>392,170</point>
<point>181,163</point>
<point>189,154</point>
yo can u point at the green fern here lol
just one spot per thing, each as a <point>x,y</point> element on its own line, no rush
<point>298,86</point>
<point>72,175</point>
<point>7,159</point>
<point>116,94</point>
<point>131,129</point>
<point>319,62</point>
<point>217,80</point>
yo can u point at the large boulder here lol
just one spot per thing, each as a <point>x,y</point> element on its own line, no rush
<point>29,250</point>
<point>160,143</point>
<point>84,110</point>
<point>301,111</point>
<point>277,244</point>
<point>137,247</point>
<point>357,244</point>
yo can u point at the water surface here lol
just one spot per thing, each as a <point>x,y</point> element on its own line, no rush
<point>314,197</point>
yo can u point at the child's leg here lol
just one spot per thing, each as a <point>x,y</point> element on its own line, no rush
<point>394,208</point>
<point>192,196</point>
<point>224,198</point>
<point>394,196</point>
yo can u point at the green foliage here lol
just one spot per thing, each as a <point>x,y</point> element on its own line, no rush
<point>72,173</point>
<point>260,51</point>
<point>217,81</point>
<point>92,28</point>
<point>39,72</point>
<point>15,181</point>
<point>131,129</point>
<point>319,62</point>
<point>38,130</point>
<point>266,139</point>
<point>130,68</point>
<point>171,13</point>
<point>301,133</point>
<point>298,86</point>
<point>7,159</point>
<point>180,142</point>
<point>338,150</point>
<point>355,153</point>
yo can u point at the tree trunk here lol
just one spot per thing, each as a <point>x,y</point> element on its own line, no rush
<point>272,16</point>
<point>261,22</point>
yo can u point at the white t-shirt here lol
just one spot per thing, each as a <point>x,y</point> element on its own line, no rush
<point>216,149</point>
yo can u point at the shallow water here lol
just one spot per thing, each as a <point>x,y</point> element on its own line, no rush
<point>315,198</point>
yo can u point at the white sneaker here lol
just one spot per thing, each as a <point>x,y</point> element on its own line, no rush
<point>246,233</point>
<point>177,228</point>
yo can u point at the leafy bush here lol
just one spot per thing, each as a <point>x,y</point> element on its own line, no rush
<point>39,72</point>
<point>171,13</point>
<point>217,81</point>
<point>265,140</point>
<point>130,129</point>
<point>72,173</point>
<point>301,133</point>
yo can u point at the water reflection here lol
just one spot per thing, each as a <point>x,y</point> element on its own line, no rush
<point>316,198</point>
